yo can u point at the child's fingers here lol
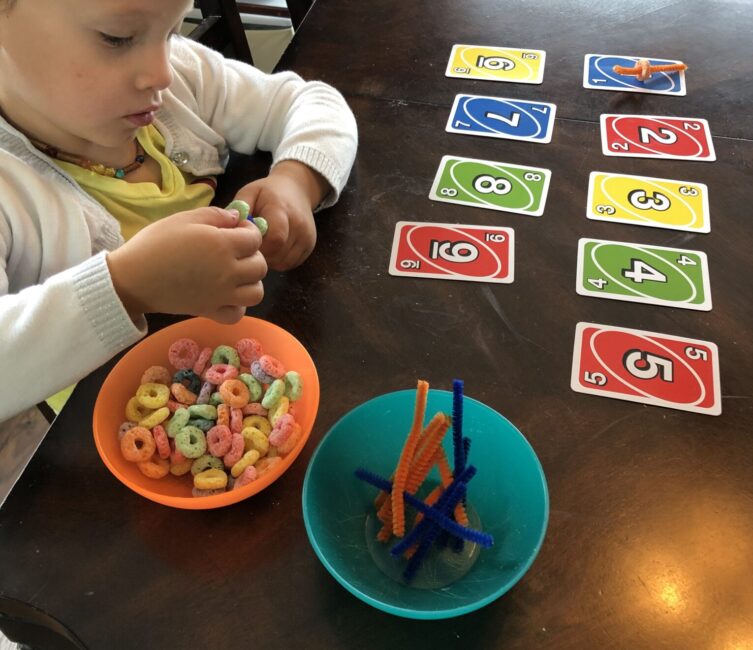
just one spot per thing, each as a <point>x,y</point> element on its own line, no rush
<point>210,216</point>
<point>228,315</point>
<point>244,241</point>
<point>277,235</point>
<point>250,269</point>
<point>249,295</point>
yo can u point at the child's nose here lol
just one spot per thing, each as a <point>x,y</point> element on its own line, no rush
<point>155,71</point>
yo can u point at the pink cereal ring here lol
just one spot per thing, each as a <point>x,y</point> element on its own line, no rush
<point>182,394</point>
<point>236,450</point>
<point>271,366</point>
<point>249,475</point>
<point>219,440</point>
<point>163,442</point>
<point>234,393</point>
<point>254,409</point>
<point>220,372</point>
<point>157,375</point>
<point>248,350</point>
<point>201,363</point>
<point>176,456</point>
<point>282,430</point>
<point>236,420</point>
<point>183,353</point>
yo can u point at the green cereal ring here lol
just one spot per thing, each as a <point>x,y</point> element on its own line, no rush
<point>207,461</point>
<point>177,422</point>
<point>254,387</point>
<point>226,354</point>
<point>261,224</point>
<point>202,423</point>
<point>275,391</point>
<point>293,385</point>
<point>242,207</point>
<point>205,411</point>
<point>191,441</point>
<point>215,399</point>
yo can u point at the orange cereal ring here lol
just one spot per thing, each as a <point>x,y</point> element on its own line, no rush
<point>286,447</point>
<point>137,445</point>
<point>152,395</point>
<point>267,464</point>
<point>237,446</point>
<point>155,467</point>
<point>234,393</point>
<point>183,353</point>
<point>182,394</point>
<point>223,415</point>
<point>249,350</point>
<point>254,409</point>
<point>156,375</point>
<point>135,411</point>
<point>163,442</point>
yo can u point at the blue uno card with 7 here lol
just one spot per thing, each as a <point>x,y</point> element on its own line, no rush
<point>599,74</point>
<point>498,117</point>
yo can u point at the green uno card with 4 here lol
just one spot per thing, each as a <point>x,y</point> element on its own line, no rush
<point>491,185</point>
<point>672,277</point>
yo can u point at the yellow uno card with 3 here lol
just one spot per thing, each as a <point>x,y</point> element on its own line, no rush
<point>646,201</point>
<point>496,64</point>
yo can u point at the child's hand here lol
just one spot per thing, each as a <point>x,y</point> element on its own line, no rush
<point>286,199</point>
<point>197,262</point>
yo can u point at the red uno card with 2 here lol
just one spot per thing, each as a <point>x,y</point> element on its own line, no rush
<point>453,252</point>
<point>648,136</point>
<point>638,366</point>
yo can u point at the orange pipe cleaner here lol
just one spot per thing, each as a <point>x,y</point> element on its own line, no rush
<point>643,69</point>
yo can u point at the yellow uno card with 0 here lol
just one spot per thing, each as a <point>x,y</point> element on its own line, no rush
<point>646,201</point>
<point>496,64</point>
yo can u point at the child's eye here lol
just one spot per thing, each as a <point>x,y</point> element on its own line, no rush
<point>116,41</point>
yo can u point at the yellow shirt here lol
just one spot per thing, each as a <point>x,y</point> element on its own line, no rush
<point>136,205</point>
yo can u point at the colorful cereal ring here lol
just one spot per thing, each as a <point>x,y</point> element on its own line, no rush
<point>135,411</point>
<point>152,396</point>
<point>206,411</point>
<point>163,442</point>
<point>255,389</point>
<point>282,430</point>
<point>235,393</point>
<point>155,467</point>
<point>255,439</point>
<point>215,399</point>
<point>182,394</point>
<point>275,391</point>
<point>126,426</point>
<point>191,442</point>
<point>281,408</point>
<point>182,468</point>
<point>183,353</point>
<point>249,475</point>
<point>267,464</point>
<point>223,415</point>
<point>156,375</point>
<point>189,379</point>
<point>271,366</point>
<point>202,423</point>
<point>248,350</point>
<point>254,409</point>
<point>224,354</point>
<point>177,422</point>
<point>286,447</point>
<point>204,462</point>
<point>219,372</point>
<point>201,363</point>
<point>236,451</point>
<point>259,374</point>
<point>248,459</point>
<point>210,479</point>
<point>137,445</point>
<point>293,385</point>
<point>205,394</point>
<point>219,439</point>
<point>236,420</point>
<point>259,422</point>
<point>153,419</point>
<point>242,207</point>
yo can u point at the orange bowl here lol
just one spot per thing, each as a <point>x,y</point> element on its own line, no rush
<point>123,380</point>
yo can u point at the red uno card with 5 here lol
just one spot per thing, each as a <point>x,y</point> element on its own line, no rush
<point>648,136</point>
<point>638,366</point>
<point>453,252</point>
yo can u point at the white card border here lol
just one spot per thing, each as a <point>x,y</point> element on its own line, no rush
<point>607,152</point>
<point>683,87</point>
<point>544,194</point>
<point>576,385</point>
<point>590,214</point>
<point>582,290</point>
<point>502,136</point>
<point>393,270</point>
<point>455,75</point>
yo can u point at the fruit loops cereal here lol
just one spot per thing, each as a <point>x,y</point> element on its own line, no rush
<point>222,416</point>
<point>443,509</point>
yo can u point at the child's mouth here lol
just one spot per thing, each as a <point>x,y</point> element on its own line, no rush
<point>141,119</point>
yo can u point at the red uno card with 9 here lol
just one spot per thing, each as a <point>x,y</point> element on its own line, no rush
<point>453,252</point>
<point>638,366</point>
<point>646,136</point>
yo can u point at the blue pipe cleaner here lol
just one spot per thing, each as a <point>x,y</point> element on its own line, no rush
<point>457,426</point>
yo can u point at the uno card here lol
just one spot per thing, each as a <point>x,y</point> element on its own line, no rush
<point>646,201</point>
<point>496,64</point>
<point>453,252</point>
<point>491,185</point>
<point>637,366</point>
<point>599,74</point>
<point>495,117</point>
<point>650,136</point>
<point>673,277</point>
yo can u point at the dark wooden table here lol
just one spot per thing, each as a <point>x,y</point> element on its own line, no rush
<point>650,539</point>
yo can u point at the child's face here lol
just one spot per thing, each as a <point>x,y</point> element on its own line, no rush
<point>79,72</point>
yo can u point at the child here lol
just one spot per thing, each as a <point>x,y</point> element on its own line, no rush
<point>111,129</point>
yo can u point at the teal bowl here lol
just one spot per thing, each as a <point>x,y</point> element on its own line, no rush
<point>509,493</point>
